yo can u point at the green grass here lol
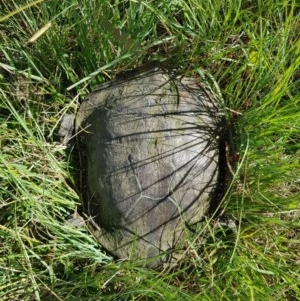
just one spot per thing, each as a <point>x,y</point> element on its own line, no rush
<point>247,50</point>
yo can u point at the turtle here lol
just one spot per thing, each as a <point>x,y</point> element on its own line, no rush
<point>152,161</point>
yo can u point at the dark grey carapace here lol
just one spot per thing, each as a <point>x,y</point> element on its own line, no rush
<point>150,153</point>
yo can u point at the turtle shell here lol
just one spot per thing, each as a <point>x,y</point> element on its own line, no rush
<point>150,151</point>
